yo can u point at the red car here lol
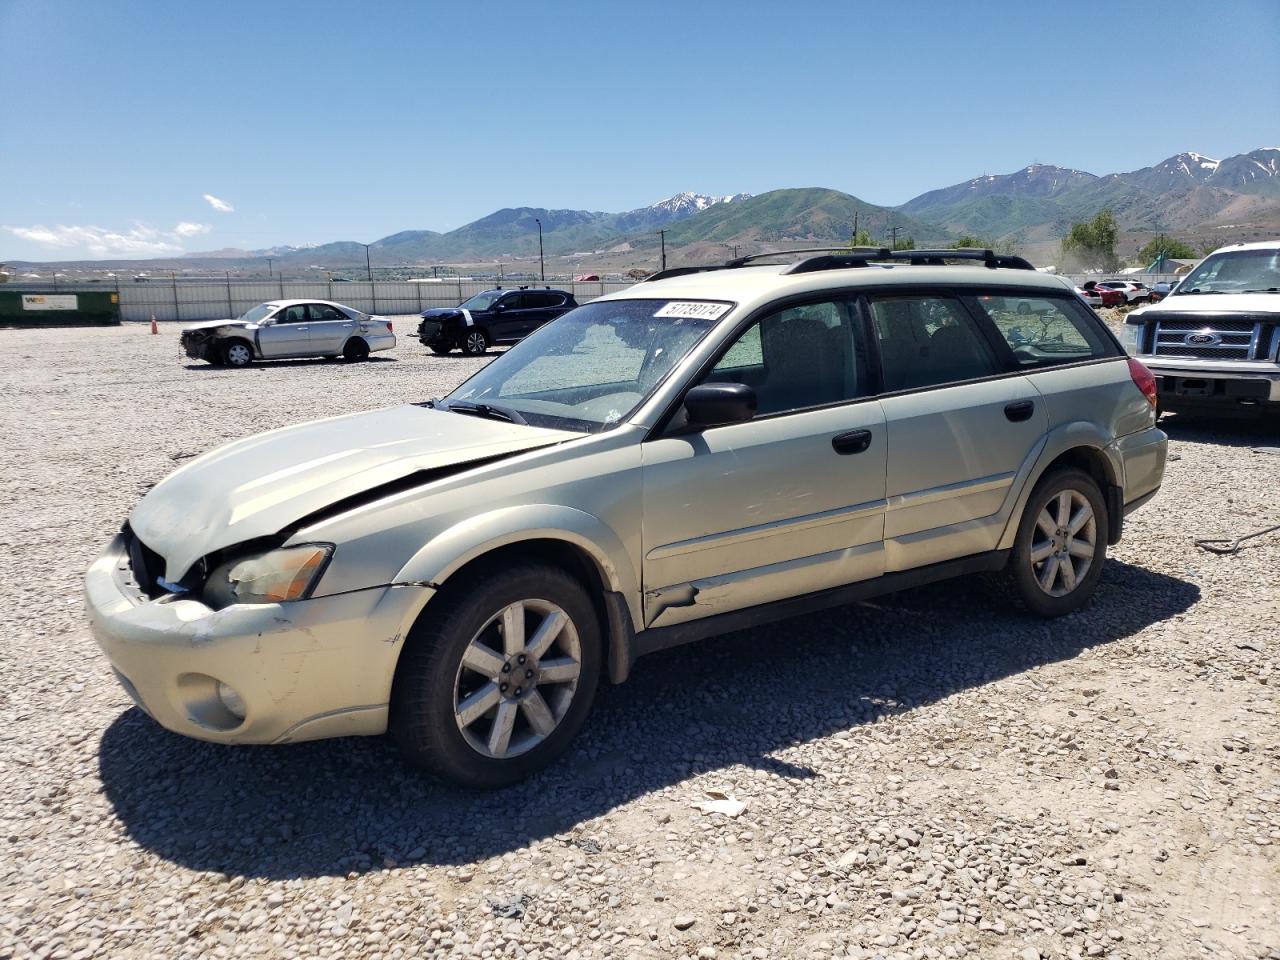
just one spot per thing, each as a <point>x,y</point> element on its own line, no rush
<point>1110,296</point>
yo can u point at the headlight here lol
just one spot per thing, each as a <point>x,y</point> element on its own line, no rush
<point>1130,336</point>
<point>285,574</point>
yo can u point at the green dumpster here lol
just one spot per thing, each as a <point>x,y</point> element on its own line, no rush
<point>34,308</point>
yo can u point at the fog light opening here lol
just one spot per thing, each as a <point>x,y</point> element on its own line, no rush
<point>228,697</point>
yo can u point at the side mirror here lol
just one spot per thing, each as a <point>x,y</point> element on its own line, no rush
<point>499,307</point>
<point>716,404</point>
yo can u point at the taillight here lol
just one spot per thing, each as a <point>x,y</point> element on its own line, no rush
<point>389,326</point>
<point>1143,379</point>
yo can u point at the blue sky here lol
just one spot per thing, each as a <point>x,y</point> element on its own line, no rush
<point>316,121</point>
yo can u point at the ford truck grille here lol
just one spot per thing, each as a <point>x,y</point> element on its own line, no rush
<point>1211,338</point>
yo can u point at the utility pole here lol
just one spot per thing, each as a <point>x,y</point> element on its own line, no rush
<point>269,273</point>
<point>542,265</point>
<point>735,251</point>
<point>368,266</point>
<point>663,234</point>
<point>855,228</point>
<point>894,246</point>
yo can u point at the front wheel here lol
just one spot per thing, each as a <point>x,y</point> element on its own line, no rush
<point>1061,544</point>
<point>237,353</point>
<point>474,343</point>
<point>498,678</point>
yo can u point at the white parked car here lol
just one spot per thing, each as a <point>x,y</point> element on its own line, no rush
<point>289,328</point>
<point>708,450</point>
<point>1134,292</point>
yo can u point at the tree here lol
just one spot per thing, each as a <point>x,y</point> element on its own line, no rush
<point>1163,247</point>
<point>905,244</point>
<point>1093,244</point>
<point>861,238</point>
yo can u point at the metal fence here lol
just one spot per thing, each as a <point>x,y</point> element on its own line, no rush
<point>193,300</point>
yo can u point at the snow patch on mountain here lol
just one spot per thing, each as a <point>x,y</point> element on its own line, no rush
<point>683,204</point>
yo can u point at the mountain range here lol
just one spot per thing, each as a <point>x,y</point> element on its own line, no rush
<point>1197,198</point>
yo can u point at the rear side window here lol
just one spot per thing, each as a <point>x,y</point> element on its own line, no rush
<point>1046,330</point>
<point>543,299</point>
<point>927,340</point>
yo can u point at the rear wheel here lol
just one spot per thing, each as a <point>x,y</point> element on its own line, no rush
<point>474,342</point>
<point>1061,544</point>
<point>237,353</point>
<point>497,679</point>
<point>356,349</point>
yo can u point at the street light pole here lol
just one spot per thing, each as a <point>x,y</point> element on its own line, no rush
<point>663,235</point>
<point>542,265</point>
<point>368,267</point>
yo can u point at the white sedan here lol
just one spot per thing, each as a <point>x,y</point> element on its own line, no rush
<point>288,329</point>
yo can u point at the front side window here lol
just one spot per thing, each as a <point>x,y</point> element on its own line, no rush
<point>1045,330</point>
<point>1239,271</point>
<point>929,340</point>
<point>294,314</point>
<point>803,356</point>
<point>591,367</point>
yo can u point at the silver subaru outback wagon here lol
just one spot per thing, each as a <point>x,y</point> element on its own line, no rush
<point>707,450</point>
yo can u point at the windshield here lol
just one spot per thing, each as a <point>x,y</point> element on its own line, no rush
<point>481,301</point>
<point>590,368</point>
<point>257,314</point>
<point>1241,271</point>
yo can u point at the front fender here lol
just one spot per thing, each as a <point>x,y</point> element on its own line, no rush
<point>455,547</point>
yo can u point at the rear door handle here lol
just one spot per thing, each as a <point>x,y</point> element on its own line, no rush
<point>855,441</point>
<point>1019,410</point>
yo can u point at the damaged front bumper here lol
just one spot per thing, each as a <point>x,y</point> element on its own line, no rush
<point>200,345</point>
<point>262,673</point>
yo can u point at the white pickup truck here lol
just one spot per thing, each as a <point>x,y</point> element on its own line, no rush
<point>1215,340</point>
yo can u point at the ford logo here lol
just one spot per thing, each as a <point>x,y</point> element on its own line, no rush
<point>1201,339</point>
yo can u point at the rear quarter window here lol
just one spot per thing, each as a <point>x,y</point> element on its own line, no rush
<point>1047,330</point>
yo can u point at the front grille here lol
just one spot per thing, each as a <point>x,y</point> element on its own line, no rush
<point>1226,338</point>
<point>429,329</point>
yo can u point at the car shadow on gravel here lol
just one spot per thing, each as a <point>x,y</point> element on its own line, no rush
<point>1234,429</point>
<point>343,806</point>
<point>288,364</point>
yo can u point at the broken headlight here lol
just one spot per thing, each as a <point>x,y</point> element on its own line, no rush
<point>289,573</point>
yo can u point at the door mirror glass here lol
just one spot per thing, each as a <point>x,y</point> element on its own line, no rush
<point>716,404</point>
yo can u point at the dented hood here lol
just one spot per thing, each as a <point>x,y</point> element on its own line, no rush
<point>1184,303</point>
<point>257,486</point>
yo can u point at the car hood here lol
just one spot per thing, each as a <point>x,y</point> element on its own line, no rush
<point>1216,303</point>
<point>210,324</point>
<point>258,486</point>
<point>439,313</point>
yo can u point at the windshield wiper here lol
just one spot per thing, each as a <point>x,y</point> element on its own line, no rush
<point>488,410</point>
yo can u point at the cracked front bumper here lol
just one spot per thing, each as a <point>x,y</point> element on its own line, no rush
<point>304,670</point>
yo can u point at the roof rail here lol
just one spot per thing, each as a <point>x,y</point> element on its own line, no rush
<point>839,258</point>
<point>937,258</point>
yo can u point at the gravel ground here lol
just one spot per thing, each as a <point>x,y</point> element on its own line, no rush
<point>928,775</point>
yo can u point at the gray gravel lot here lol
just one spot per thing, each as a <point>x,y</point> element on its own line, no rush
<point>928,775</point>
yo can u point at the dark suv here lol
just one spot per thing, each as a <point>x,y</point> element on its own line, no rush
<point>495,316</point>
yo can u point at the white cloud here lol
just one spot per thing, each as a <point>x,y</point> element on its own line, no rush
<point>220,205</point>
<point>139,241</point>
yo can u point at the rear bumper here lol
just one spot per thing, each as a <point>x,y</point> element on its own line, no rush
<point>1143,456</point>
<point>377,342</point>
<point>303,671</point>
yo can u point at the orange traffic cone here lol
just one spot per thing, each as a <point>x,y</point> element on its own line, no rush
<point>154,328</point>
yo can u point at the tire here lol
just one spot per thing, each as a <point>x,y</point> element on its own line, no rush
<point>474,342</point>
<point>1040,585</point>
<point>445,714</point>
<point>441,351</point>
<point>355,350</point>
<point>237,353</point>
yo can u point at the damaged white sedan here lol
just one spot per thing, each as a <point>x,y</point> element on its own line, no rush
<point>708,450</point>
<point>288,329</point>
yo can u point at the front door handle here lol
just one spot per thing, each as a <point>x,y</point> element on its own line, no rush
<point>299,329</point>
<point>1019,410</point>
<point>855,441</point>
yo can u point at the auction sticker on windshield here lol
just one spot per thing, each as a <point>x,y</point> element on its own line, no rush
<point>694,309</point>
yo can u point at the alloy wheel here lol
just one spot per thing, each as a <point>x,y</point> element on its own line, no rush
<point>1063,543</point>
<point>517,678</point>
<point>476,342</point>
